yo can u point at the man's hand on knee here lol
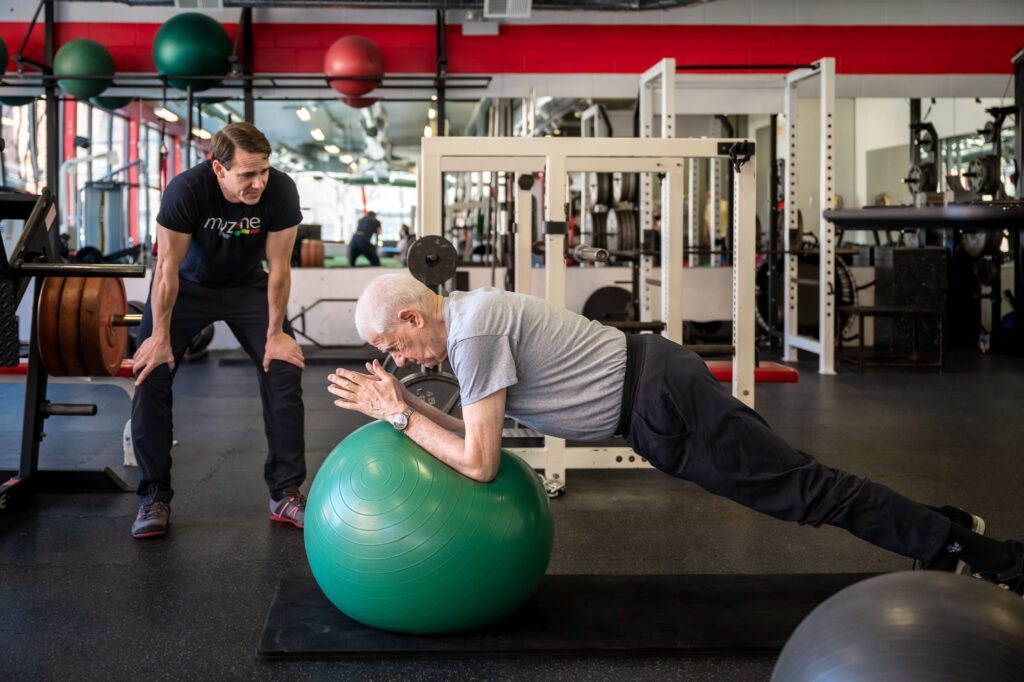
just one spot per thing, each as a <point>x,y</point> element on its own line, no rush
<point>152,353</point>
<point>280,346</point>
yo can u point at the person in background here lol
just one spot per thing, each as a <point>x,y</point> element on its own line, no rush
<point>405,240</point>
<point>364,241</point>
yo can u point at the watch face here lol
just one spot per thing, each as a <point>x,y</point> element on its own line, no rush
<point>401,421</point>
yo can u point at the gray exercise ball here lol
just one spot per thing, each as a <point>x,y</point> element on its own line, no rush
<point>910,626</point>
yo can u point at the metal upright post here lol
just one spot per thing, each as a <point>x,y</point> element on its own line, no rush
<point>827,231</point>
<point>247,59</point>
<point>791,107</point>
<point>187,142</point>
<point>53,114</point>
<point>1016,243</point>
<point>774,261</point>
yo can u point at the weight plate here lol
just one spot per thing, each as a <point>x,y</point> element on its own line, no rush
<point>613,304</point>
<point>201,340</point>
<point>103,344</point>
<point>599,188</point>
<point>983,175</point>
<point>440,390</point>
<point>624,186</point>
<point>307,258</point>
<point>70,309</point>
<point>48,326</point>
<point>979,243</point>
<point>595,231</point>
<point>318,253</point>
<point>432,260</point>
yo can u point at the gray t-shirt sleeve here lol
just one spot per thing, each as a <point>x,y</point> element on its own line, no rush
<point>484,365</point>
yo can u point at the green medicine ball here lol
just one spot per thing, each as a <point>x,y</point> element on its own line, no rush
<point>83,57</point>
<point>191,44</point>
<point>112,103</point>
<point>398,540</point>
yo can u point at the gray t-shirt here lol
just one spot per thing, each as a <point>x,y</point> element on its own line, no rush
<point>563,373</point>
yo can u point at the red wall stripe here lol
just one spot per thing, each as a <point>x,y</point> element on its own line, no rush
<point>565,49</point>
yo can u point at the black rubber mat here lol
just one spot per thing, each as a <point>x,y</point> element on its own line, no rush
<point>574,614</point>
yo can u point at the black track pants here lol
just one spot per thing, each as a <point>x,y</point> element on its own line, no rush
<point>678,416</point>
<point>361,246</point>
<point>245,310</point>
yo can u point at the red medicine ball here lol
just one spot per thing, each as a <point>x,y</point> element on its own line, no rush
<point>354,56</point>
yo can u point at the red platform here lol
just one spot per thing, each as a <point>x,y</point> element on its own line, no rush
<point>764,373</point>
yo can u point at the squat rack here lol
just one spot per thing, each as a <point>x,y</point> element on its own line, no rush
<point>555,158</point>
<point>763,98</point>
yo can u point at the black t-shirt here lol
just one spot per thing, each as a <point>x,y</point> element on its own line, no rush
<point>228,239</point>
<point>367,226</point>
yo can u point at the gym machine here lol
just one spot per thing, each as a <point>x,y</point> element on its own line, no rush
<point>33,259</point>
<point>982,214</point>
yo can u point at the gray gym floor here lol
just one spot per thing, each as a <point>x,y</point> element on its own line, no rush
<point>81,599</point>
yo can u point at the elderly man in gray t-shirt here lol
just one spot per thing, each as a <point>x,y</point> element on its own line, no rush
<point>566,376</point>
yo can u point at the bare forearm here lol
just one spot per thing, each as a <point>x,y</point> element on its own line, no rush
<point>278,290</point>
<point>445,421</point>
<point>162,297</point>
<point>447,447</point>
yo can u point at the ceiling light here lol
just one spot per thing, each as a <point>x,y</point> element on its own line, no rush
<point>165,114</point>
<point>433,98</point>
<point>431,113</point>
<point>353,166</point>
<point>303,113</point>
<point>201,133</point>
<point>318,134</point>
<point>346,158</point>
<point>332,148</point>
<point>427,131</point>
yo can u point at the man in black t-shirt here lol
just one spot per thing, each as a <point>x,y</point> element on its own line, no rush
<point>217,222</point>
<point>364,240</point>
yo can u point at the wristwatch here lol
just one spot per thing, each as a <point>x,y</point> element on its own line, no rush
<point>401,420</point>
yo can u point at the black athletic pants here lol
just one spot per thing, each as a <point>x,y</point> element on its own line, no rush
<point>678,416</point>
<point>361,246</point>
<point>245,310</point>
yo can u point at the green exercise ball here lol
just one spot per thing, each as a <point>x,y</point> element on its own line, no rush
<point>112,103</point>
<point>17,101</point>
<point>400,541</point>
<point>83,57</point>
<point>192,44</point>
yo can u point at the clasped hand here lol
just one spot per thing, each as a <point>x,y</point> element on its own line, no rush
<point>377,394</point>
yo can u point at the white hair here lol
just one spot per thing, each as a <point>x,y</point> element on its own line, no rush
<point>382,299</point>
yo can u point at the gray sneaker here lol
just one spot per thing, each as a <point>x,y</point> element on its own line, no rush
<point>153,519</point>
<point>291,508</point>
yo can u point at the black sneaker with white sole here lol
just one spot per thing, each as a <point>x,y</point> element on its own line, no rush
<point>1012,577</point>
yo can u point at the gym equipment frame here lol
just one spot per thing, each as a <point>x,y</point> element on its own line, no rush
<point>662,76</point>
<point>555,158</point>
<point>33,258</point>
